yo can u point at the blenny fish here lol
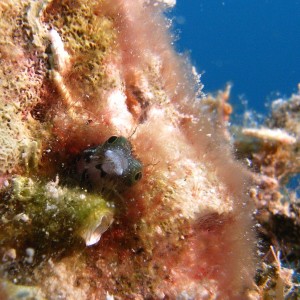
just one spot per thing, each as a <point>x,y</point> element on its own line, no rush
<point>110,165</point>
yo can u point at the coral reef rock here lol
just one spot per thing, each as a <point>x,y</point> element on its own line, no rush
<point>73,74</point>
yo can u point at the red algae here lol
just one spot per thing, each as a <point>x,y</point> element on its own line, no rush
<point>185,230</point>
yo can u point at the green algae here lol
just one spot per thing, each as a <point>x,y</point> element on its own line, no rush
<point>40,221</point>
<point>44,215</point>
<point>19,292</point>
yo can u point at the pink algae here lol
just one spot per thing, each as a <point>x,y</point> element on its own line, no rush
<point>185,230</point>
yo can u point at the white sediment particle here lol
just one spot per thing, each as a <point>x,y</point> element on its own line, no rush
<point>158,230</point>
<point>61,57</point>
<point>249,162</point>
<point>82,196</point>
<point>275,135</point>
<point>53,190</point>
<point>109,297</point>
<point>6,183</point>
<point>110,205</point>
<point>51,207</point>
<point>22,217</point>
<point>30,254</point>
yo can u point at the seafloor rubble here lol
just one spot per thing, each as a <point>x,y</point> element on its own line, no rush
<point>271,151</point>
<point>269,148</point>
<point>118,180</point>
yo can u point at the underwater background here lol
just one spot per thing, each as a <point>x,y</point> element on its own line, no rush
<point>254,45</point>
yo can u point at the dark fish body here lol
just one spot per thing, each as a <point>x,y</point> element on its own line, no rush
<point>109,166</point>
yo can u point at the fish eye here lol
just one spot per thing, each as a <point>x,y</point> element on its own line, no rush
<point>138,176</point>
<point>112,139</point>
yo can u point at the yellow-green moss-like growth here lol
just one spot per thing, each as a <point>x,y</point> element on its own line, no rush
<point>89,38</point>
<point>9,290</point>
<point>42,215</point>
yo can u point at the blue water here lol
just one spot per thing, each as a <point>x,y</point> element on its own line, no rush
<point>255,44</point>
